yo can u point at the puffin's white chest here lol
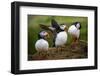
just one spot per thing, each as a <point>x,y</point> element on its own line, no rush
<point>74,31</point>
<point>42,45</point>
<point>61,38</point>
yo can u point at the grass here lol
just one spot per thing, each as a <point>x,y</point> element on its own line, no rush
<point>34,29</point>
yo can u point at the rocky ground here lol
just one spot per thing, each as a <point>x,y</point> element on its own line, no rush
<point>66,52</point>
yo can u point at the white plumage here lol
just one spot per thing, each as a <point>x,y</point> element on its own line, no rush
<point>74,31</point>
<point>61,38</point>
<point>41,45</point>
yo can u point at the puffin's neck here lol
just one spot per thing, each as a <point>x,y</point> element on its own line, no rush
<point>60,30</point>
<point>63,31</point>
<point>42,38</point>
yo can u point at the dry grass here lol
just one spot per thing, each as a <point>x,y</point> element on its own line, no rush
<point>67,52</point>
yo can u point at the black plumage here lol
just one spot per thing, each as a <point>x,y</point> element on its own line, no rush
<point>54,28</point>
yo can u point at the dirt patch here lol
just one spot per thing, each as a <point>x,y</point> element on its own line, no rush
<point>66,52</point>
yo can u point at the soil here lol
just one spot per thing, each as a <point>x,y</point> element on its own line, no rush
<point>66,52</point>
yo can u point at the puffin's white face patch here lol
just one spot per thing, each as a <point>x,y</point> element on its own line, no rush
<point>63,27</point>
<point>43,33</point>
<point>78,25</point>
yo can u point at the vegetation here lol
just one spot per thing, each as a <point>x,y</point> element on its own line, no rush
<point>34,29</point>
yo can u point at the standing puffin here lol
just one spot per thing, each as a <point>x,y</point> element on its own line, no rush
<point>61,37</point>
<point>74,31</point>
<point>42,44</point>
<point>59,33</point>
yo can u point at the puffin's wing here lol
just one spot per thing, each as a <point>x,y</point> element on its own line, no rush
<point>46,27</point>
<point>55,24</point>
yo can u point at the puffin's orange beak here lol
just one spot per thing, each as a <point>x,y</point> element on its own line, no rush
<point>66,28</point>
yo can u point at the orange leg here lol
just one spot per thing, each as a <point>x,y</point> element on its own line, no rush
<point>74,40</point>
<point>77,41</point>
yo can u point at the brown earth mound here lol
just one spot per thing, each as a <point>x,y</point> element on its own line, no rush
<point>66,52</point>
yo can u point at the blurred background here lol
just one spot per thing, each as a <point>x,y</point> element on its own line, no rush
<point>34,28</point>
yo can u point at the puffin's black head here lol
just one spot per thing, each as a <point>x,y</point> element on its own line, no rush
<point>63,27</point>
<point>77,25</point>
<point>43,35</point>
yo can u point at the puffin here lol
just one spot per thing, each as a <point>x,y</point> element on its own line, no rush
<point>42,44</point>
<point>74,31</point>
<point>61,37</point>
<point>59,33</point>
